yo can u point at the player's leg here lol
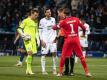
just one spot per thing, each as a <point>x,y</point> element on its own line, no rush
<point>59,48</point>
<point>79,53</point>
<point>66,52</point>
<point>76,59</point>
<point>66,72</point>
<point>21,51</point>
<point>62,60</point>
<point>43,62</point>
<point>31,49</point>
<point>53,50</point>
<point>72,62</point>
<point>69,65</point>
<point>84,52</point>
<point>54,62</point>
<point>43,59</point>
<point>60,43</point>
<point>29,63</point>
<point>84,45</point>
<point>20,59</point>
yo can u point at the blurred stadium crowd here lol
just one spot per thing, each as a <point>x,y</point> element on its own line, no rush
<point>94,12</point>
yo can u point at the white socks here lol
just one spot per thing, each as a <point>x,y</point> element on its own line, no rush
<point>76,59</point>
<point>43,63</point>
<point>54,63</point>
<point>84,53</point>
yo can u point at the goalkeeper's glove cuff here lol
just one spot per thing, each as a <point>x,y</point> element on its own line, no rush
<point>23,35</point>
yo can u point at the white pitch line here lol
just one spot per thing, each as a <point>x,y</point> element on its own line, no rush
<point>57,66</point>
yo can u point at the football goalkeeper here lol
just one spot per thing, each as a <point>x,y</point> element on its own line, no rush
<point>29,32</point>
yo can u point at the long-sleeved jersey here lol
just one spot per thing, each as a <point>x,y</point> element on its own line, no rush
<point>47,34</point>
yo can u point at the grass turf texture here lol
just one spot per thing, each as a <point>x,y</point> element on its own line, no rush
<point>8,70</point>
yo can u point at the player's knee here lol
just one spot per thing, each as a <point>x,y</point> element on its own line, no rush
<point>42,58</point>
<point>54,54</point>
<point>29,52</point>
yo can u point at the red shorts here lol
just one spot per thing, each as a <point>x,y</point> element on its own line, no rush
<point>72,44</point>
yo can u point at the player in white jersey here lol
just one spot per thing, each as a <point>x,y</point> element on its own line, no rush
<point>47,37</point>
<point>83,40</point>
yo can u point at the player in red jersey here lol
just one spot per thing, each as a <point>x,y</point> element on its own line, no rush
<point>72,42</point>
<point>69,62</point>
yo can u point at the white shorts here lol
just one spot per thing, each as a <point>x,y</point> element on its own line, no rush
<point>49,46</point>
<point>84,42</point>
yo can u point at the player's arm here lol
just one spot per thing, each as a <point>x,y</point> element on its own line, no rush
<point>54,23</point>
<point>17,37</point>
<point>40,28</point>
<point>82,27</point>
<point>37,36</point>
<point>59,25</point>
<point>20,28</point>
<point>88,29</point>
<point>41,25</point>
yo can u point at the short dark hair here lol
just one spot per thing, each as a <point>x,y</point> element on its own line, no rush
<point>60,9</point>
<point>34,10</point>
<point>65,10</point>
<point>46,9</point>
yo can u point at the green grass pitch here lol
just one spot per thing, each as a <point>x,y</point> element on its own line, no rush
<point>8,70</point>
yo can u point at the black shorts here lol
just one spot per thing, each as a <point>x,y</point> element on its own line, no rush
<point>60,43</point>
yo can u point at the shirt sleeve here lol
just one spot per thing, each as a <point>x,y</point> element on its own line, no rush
<point>21,27</point>
<point>61,24</point>
<point>82,27</point>
<point>40,29</point>
<point>87,29</point>
<point>37,32</point>
<point>54,22</point>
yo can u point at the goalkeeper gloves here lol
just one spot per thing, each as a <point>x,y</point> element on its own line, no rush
<point>25,37</point>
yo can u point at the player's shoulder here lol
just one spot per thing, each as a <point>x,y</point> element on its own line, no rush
<point>52,18</point>
<point>42,20</point>
<point>87,25</point>
<point>71,18</point>
<point>25,20</point>
<point>75,18</point>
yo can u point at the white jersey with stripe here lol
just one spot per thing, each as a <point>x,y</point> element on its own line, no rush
<point>47,34</point>
<point>87,31</point>
<point>84,40</point>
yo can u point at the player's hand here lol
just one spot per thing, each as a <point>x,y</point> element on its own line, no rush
<point>43,44</point>
<point>26,37</point>
<point>23,35</point>
<point>14,42</point>
<point>54,27</point>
